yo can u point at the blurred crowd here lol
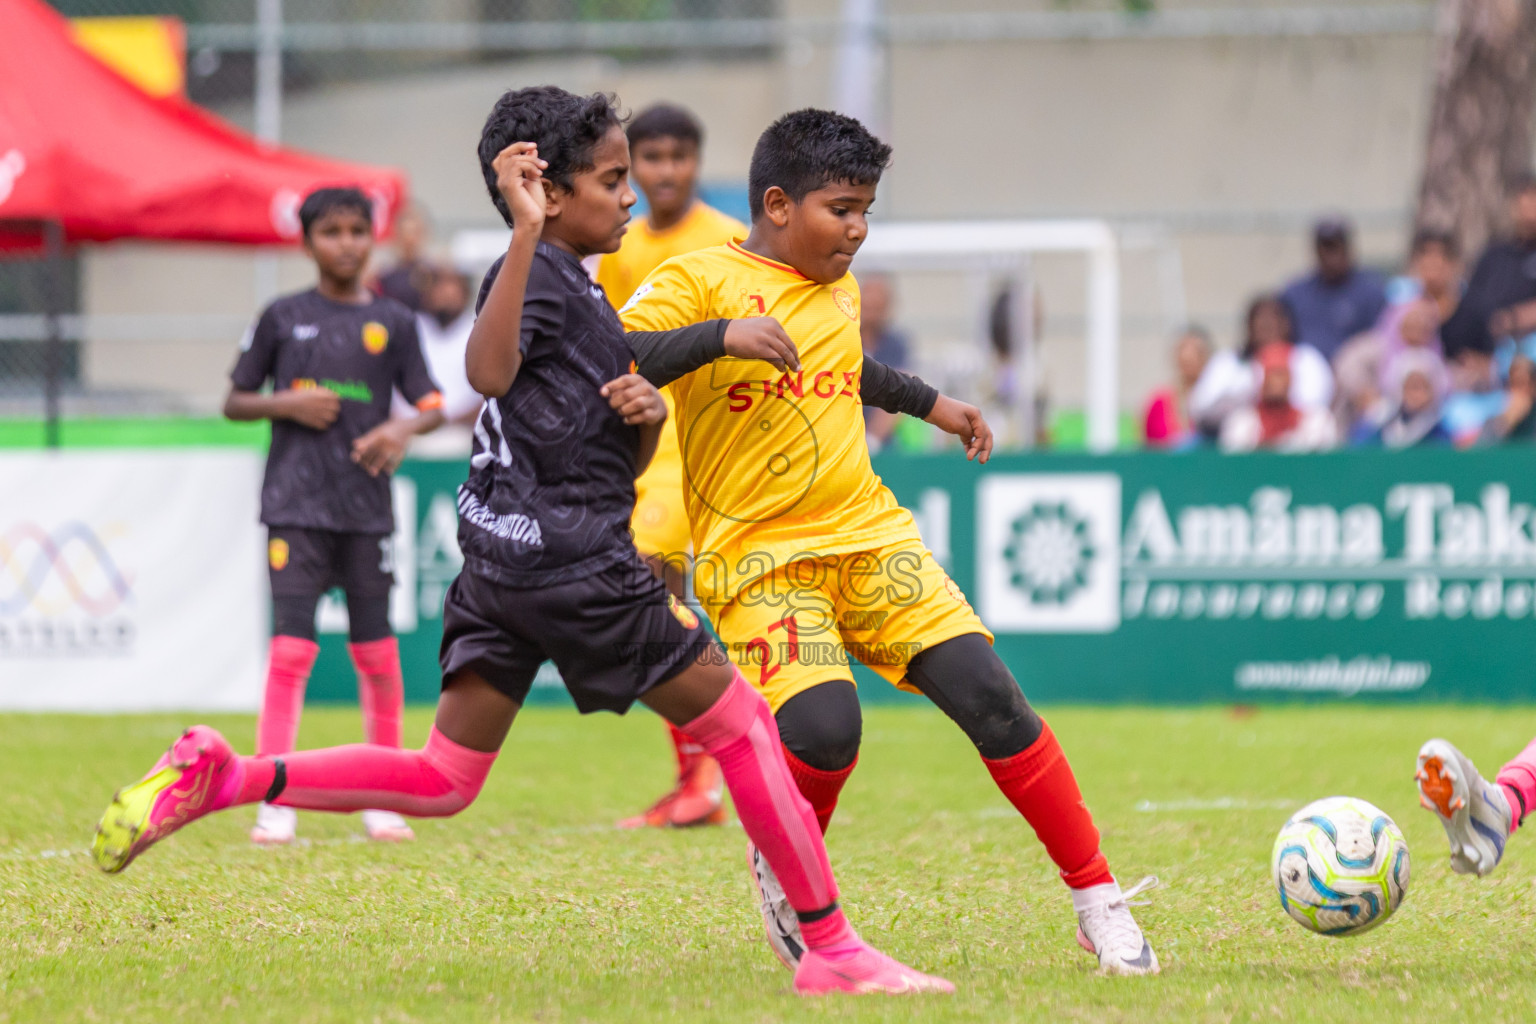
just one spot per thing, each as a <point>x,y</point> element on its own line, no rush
<point>1343,356</point>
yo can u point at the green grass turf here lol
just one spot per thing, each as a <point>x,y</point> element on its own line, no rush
<point>528,907</point>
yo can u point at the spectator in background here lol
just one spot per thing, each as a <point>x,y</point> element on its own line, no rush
<point>1229,382</point>
<point>1167,422</point>
<point>1503,280</point>
<point>1269,323</point>
<point>1272,421</point>
<point>1517,420</point>
<point>882,343</point>
<point>1337,300</point>
<point>443,325</point>
<point>1416,388</point>
<point>406,279</point>
<point>1409,329</point>
<point>1475,396</point>
<point>1434,272</point>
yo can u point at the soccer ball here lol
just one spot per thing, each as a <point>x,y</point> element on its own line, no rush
<point>1341,866</point>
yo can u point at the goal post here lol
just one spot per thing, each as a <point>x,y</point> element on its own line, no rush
<point>986,247</point>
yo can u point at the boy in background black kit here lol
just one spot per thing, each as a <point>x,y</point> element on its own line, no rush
<point>334,354</point>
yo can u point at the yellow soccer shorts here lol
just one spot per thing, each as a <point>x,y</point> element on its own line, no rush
<point>798,626</point>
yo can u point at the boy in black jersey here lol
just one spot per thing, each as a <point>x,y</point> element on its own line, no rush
<point>550,570</point>
<point>334,355</point>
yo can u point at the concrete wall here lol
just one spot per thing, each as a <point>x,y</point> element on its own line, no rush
<point>1232,144</point>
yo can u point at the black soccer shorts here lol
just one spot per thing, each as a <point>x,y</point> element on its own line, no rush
<point>613,635</point>
<point>302,562</point>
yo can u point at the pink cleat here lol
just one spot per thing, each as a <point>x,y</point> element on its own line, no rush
<point>197,775</point>
<point>861,970</point>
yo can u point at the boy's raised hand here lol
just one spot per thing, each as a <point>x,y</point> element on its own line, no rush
<point>636,399</point>
<point>762,337</point>
<point>519,179</point>
<point>965,422</point>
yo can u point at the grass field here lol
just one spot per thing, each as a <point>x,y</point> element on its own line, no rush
<point>529,907</point>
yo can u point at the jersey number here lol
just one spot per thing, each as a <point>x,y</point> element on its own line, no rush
<point>767,670</point>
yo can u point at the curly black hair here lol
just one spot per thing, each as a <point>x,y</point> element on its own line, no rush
<point>665,121</point>
<point>324,200</point>
<point>564,126</point>
<point>809,149</point>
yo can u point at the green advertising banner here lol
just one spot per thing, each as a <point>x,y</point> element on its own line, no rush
<point>1166,578</point>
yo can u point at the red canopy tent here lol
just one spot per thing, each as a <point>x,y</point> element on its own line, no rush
<point>84,148</point>
<point>86,156</point>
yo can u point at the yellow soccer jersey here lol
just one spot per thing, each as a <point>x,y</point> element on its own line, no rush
<point>776,465</point>
<point>659,488</point>
<point>643,250</point>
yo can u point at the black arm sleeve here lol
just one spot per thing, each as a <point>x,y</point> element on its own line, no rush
<point>894,391</point>
<point>664,356</point>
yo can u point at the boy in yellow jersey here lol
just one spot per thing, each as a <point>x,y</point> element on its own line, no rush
<point>803,556</point>
<point>664,143</point>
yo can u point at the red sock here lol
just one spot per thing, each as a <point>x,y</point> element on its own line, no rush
<point>380,689</point>
<point>1039,783</point>
<point>687,749</point>
<point>288,663</point>
<point>441,779</point>
<point>820,788</point>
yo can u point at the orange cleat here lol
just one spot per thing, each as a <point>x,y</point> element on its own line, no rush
<point>697,799</point>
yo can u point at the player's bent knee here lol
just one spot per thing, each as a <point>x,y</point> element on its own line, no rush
<point>970,684</point>
<point>823,726</point>
<point>452,776</point>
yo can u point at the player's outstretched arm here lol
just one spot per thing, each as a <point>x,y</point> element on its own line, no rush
<point>495,343</point>
<point>639,403</point>
<point>966,422</point>
<point>315,408</point>
<point>894,391</point>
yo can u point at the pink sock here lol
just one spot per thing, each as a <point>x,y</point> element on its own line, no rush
<point>380,689</point>
<point>288,663</point>
<point>441,779</point>
<point>1519,777</point>
<point>740,732</point>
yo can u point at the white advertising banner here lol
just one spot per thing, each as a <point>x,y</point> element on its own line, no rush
<point>131,581</point>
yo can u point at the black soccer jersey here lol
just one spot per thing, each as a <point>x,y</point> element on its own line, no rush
<point>552,478</point>
<point>361,352</point>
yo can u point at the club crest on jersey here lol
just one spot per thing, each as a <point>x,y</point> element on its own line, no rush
<point>845,303</point>
<point>277,553</point>
<point>640,293</point>
<point>683,613</point>
<point>753,304</point>
<point>375,337</point>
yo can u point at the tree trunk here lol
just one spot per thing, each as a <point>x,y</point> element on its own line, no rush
<point>1480,123</point>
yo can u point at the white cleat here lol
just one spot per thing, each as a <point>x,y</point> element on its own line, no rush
<point>1475,812</point>
<point>275,826</point>
<point>779,920</point>
<point>387,827</point>
<point>1106,928</point>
